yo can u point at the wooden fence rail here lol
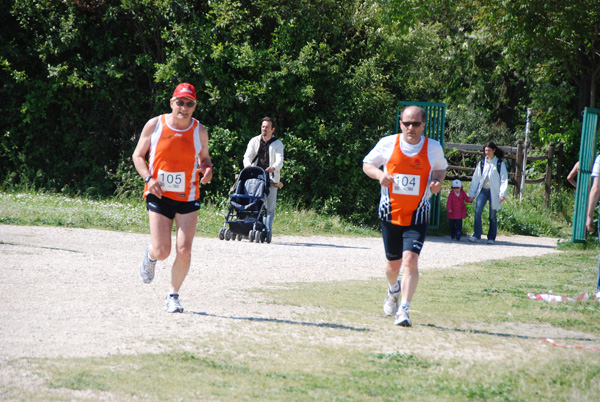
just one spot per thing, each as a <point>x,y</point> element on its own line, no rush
<point>513,157</point>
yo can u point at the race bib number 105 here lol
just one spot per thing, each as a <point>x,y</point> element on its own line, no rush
<point>407,184</point>
<point>172,181</point>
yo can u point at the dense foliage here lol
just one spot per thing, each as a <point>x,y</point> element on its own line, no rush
<point>79,79</point>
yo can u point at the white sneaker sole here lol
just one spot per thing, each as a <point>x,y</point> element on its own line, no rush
<point>144,276</point>
<point>404,323</point>
<point>390,313</point>
<point>172,309</point>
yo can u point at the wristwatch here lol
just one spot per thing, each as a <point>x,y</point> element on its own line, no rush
<point>147,179</point>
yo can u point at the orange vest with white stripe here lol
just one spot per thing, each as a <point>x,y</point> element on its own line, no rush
<point>409,193</point>
<point>173,160</point>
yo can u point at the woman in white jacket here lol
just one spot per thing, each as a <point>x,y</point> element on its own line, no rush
<point>489,183</point>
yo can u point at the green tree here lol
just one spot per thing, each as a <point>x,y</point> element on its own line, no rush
<point>554,35</point>
<point>78,74</point>
<point>81,78</point>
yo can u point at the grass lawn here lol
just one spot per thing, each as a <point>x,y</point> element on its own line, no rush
<point>475,337</point>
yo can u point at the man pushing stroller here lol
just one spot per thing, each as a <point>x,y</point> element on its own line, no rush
<point>266,151</point>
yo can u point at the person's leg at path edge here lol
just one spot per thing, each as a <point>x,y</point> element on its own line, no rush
<point>410,280</point>
<point>480,202</point>
<point>598,281</point>
<point>186,229</point>
<point>160,246</point>
<point>493,218</point>
<point>270,206</point>
<point>452,223</point>
<point>390,304</point>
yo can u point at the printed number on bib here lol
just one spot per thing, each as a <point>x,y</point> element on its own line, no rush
<point>407,184</point>
<point>172,181</point>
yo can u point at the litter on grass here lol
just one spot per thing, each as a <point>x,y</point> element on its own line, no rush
<point>553,343</point>
<point>555,298</point>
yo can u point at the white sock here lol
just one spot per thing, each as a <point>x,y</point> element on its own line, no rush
<point>405,305</point>
<point>395,288</point>
<point>148,253</point>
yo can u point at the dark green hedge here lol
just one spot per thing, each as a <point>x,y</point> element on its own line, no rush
<point>80,78</point>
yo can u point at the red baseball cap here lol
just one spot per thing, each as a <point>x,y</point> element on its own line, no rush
<point>185,90</point>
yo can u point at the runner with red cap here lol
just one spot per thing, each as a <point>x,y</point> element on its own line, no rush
<point>177,145</point>
<point>185,90</point>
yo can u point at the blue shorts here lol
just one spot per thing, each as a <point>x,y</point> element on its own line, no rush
<point>397,239</point>
<point>168,207</point>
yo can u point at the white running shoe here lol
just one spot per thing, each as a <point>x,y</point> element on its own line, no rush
<point>147,268</point>
<point>172,304</point>
<point>390,304</point>
<point>402,318</point>
<point>473,239</point>
<point>490,241</point>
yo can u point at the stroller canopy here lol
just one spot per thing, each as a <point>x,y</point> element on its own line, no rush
<point>251,189</point>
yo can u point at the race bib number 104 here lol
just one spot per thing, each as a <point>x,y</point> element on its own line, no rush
<point>407,184</point>
<point>172,181</point>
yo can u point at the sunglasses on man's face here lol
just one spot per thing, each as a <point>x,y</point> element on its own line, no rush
<point>412,123</point>
<point>189,104</point>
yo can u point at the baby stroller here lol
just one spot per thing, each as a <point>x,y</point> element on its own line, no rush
<point>247,211</point>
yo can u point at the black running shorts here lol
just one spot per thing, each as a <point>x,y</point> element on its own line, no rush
<point>168,207</point>
<point>397,239</point>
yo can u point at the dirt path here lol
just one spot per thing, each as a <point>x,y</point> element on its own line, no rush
<point>76,292</point>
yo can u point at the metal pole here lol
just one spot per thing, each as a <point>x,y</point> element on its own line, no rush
<point>525,147</point>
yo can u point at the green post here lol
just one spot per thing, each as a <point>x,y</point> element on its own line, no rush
<point>587,154</point>
<point>434,128</point>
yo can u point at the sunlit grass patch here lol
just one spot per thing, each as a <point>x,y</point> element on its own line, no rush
<point>308,372</point>
<point>59,210</point>
<point>131,216</point>
<point>488,292</point>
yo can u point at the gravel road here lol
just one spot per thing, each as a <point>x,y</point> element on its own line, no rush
<point>70,292</point>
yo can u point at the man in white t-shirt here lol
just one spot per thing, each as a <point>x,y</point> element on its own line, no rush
<point>591,206</point>
<point>266,151</point>
<point>409,167</point>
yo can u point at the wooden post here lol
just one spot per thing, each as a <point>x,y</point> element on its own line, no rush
<point>518,169</point>
<point>548,184</point>
<point>559,162</point>
<point>527,143</point>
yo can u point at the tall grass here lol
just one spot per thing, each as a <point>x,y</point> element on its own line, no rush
<point>129,215</point>
<point>525,217</point>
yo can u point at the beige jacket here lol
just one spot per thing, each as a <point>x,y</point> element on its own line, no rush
<point>275,155</point>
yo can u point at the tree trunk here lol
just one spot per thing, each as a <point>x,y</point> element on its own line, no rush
<point>508,98</point>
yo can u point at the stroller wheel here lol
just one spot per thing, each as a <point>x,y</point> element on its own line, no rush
<point>227,234</point>
<point>251,235</point>
<point>222,234</point>
<point>233,236</point>
<point>257,236</point>
<point>263,237</point>
<point>240,237</point>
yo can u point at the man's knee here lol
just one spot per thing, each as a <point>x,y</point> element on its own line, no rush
<point>184,251</point>
<point>161,251</point>
<point>410,260</point>
<point>394,266</point>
